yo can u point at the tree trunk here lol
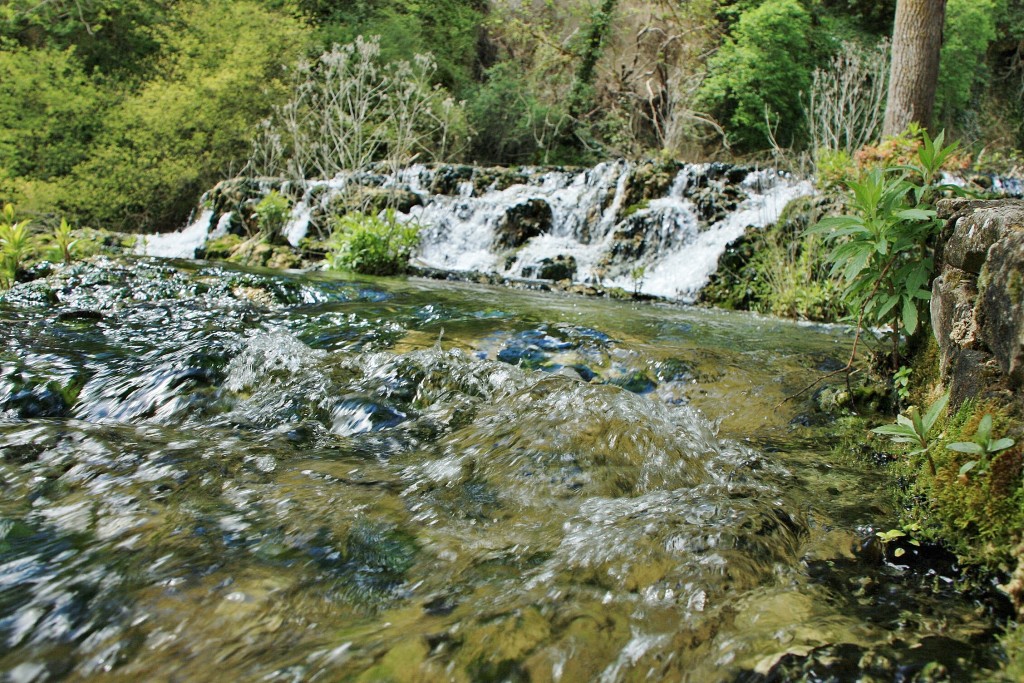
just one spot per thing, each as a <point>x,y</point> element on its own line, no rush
<point>916,41</point>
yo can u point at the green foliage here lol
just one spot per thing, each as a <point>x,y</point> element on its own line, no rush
<point>175,137</point>
<point>63,242</point>
<point>108,36</point>
<point>901,381</point>
<point>893,535</point>
<point>373,245</point>
<point>637,275</point>
<point>272,212</point>
<point>982,445</point>
<point>50,109</point>
<point>977,517</point>
<point>916,429</point>
<point>755,80</point>
<point>882,249</point>
<point>448,29</point>
<point>510,123</point>
<point>970,29</point>
<point>16,245</point>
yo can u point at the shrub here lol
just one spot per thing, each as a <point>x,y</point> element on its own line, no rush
<point>272,213</point>
<point>349,108</point>
<point>755,80</point>
<point>372,245</point>
<point>846,104</point>
<point>882,250</point>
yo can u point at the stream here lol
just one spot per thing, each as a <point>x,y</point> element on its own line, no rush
<point>210,471</point>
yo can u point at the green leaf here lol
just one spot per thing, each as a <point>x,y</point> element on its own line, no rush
<point>968,466</point>
<point>915,215</point>
<point>856,264</point>
<point>933,413</point>
<point>999,445</point>
<point>909,315</point>
<point>898,433</point>
<point>984,433</point>
<point>827,225</point>
<point>966,447</point>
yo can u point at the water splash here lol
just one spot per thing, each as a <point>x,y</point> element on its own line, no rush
<point>604,222</point>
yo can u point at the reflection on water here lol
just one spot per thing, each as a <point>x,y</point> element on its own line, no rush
<point>283,477</point>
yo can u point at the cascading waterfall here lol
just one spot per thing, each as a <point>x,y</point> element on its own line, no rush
<point>654,228</point>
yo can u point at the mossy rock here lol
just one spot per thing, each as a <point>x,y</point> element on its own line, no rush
<point>219,249</point>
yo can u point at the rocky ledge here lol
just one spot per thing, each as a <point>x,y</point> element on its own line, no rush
<point>977,301</point>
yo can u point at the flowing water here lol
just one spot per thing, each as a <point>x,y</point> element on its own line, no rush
<point>672,221</point>
<point>210,472</point>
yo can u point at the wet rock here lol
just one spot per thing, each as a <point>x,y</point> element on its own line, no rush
<point>448,178</point>
<point>523,222</point>
<point>557,268</point>
<point>649,180</point>
<point>79,314</point>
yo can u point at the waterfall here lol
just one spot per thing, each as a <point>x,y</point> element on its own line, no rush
<point>658,228</point>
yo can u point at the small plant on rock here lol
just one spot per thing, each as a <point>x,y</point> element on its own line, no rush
<point>63,242</point>
<point>373,245</point>
<point>272,213</point>
<point>983,446</point>
<point>915,428</point>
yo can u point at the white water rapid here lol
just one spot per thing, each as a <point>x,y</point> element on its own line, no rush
<point>657,229</point>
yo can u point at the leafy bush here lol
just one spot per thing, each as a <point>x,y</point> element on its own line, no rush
<point>970,28</point>
<point>883,249</point>
<point>757,76</point>
<point>272,213</point>
<point>510,123</point>
<point>372,245</point>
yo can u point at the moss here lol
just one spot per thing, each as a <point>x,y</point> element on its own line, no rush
<point>221,248</point>
<point>633,208</point>
<point>979,516</point>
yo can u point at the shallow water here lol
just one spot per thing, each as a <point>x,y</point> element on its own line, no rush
<point>265,476</point>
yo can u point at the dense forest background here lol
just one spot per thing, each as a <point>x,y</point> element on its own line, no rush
<point>120,113</point>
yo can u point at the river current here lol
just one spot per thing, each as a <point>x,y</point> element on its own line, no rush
<point>217,473</point>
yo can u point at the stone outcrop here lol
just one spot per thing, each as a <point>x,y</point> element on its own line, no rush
<point>977,301</point>
<point>522,222</point>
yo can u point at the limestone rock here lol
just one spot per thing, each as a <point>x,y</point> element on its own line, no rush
<point>523,222</point>
<point>977,305</point>
<point>1001,308</point>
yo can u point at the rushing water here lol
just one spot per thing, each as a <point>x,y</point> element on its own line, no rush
<point>608,220</point>
<point>210,472</point>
